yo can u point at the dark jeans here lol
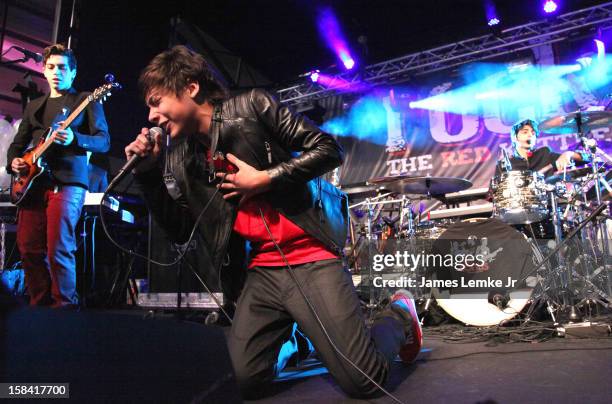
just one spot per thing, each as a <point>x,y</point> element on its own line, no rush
<point>46,240</point>
<point>271,302</point>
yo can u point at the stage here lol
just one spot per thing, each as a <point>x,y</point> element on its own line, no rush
<point>453,153</point>
<point>560,370</point>
<point>154,356</point>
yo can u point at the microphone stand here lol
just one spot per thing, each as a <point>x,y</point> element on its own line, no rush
<point>12,62</point>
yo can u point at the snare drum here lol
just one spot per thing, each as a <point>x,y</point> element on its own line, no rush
<point>519,197</point>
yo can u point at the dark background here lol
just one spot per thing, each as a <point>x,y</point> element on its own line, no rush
<point>278,38</point>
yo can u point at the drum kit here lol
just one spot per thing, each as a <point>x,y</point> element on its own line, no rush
<point>549,234</point>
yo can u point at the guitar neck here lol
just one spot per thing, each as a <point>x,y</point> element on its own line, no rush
<point>47,143</point>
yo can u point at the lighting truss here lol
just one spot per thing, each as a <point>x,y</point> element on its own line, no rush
<point>470,50</point>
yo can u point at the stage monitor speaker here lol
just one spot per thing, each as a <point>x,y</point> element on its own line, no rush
<point>117,357</point>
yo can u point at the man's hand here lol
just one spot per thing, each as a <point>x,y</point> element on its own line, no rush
<point>146,147</point>
<point>19,166</point>
<point>247,182</point>
<point>566,159</point>
<point>63,137</point>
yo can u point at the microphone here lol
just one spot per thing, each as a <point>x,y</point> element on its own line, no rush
<point>135,159</point>
<point>37,57</point>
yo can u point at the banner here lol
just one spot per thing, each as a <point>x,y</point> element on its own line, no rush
<point>432,141</point>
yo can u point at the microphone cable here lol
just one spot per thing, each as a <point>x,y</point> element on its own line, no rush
<point>181,252</point>
<point>316,316</point>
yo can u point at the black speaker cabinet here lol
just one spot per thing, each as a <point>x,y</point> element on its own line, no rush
<point>117,357</point>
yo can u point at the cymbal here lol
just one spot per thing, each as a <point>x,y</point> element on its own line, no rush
<point>362,190</point>
<point>574,173</point>
<point>564,124</point>
<point>423,185</point>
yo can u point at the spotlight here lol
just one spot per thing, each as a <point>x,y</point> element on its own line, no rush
<point>550,6</point>
<point>314,76</point>
<point>329,28</point>
<point>491,13</point>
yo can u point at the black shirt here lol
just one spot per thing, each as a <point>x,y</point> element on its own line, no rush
<point>52,109</point>
<point>540,158</point>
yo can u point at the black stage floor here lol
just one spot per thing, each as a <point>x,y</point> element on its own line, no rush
<point>560,370</point>
<point>143,356</point>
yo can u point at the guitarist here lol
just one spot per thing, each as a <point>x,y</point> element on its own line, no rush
<point>51,209</point>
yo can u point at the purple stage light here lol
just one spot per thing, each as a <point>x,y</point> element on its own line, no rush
<point>329,28</point>
<point>491,13</point>
<point>550,6</point>
<point>339,84</point>
<point>314,76</point>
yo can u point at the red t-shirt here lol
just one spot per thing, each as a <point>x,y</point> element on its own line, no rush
<point>297,246</point>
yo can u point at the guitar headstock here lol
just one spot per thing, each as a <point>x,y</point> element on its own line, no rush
<point>105,90</point>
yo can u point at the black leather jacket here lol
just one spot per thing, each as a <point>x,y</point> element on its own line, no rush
<point>266,135</point>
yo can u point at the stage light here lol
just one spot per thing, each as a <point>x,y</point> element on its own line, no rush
<point>314,76</point>
<point>349,63</point>
<point>490,85</point>
<point>492,22</point>
<point>330,31</point>
<point>550,6</point>
<point>491,13</point>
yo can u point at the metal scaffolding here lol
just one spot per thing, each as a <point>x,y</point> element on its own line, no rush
<point>470,50</point>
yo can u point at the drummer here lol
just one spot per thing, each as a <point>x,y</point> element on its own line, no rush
<point>526,157</point>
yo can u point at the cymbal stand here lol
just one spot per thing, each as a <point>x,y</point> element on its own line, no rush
<point>406,211</point>
<point>564,270</point>
<point>369,240</point>
<point>590,146</point>
<point>564,242</point>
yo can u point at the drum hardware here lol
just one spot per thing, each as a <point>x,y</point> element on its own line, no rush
<point>566,281</point>
<point>555,286</point>
<point>373,208</point>
<point>593,119</point>
<point>581,122</point>
<point>556,219</point>
<point>576,173</point>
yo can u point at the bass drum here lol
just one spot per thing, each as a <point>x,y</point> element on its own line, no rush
<point>494,286</point>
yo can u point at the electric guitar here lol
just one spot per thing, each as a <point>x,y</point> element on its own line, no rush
<point>22,183</point>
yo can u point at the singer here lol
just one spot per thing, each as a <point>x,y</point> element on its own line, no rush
<point>267,193</point>
<point>48,217</point>
<point>525,156</point>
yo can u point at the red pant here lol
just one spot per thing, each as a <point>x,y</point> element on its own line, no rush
<point>46,240</point>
